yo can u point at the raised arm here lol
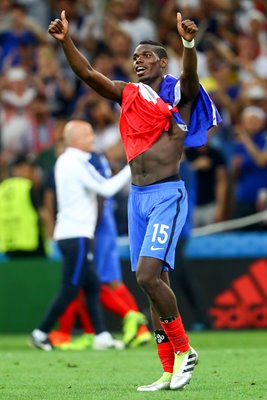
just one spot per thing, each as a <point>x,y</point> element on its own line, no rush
<point>189,77</point>
<point>112,90</point>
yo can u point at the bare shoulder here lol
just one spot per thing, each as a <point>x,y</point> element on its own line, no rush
<point>110,89</point>
<point>120,85</point>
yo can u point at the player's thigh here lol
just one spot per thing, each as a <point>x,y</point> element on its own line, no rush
<point>164,227</point>
<point>136,232</point>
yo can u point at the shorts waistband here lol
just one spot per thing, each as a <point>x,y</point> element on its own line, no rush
<point>169,179</point>
<point>158,187</point>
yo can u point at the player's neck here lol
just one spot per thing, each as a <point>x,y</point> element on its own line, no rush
<point>155,83</point>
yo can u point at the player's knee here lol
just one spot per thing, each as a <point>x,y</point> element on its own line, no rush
<point>146,281</point>
<point>141,282</point>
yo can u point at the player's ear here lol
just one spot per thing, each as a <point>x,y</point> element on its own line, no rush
<point>163,62</point>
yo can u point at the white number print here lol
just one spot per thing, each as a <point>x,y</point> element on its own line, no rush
<point>160,233</point>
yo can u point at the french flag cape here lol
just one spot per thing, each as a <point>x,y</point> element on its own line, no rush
<point>146,114</point>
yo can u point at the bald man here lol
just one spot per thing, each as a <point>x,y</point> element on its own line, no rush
<point>77,186</point>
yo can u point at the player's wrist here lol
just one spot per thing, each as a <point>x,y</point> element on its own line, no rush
<point>188,44</point>
<point>65,39</point>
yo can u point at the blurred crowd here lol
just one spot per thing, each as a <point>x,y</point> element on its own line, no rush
<point>39,92</point>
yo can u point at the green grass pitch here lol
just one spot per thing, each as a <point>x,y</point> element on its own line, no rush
<point>232,366</point>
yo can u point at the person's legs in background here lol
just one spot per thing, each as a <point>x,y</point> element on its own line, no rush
<point>114,296</point>
<point>77,271</point>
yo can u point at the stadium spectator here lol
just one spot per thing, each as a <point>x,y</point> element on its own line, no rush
<point>114,11</point>
<point>212,184</point>
<point>106,125</point>
<point>53,82</point>
<point>119,44</point>
<point>224,88</point>
<point>47,157</point>
<point>254,25</point>
<point>84,25</point>
<point>154,162</point>
<point>41,125</point>
<point>22,231</point>
<point>136,25</point>
<point>249,163</point>
<point>39,10</point>
<point>77,186</point>
<point>250,61</point>
<point>16,99</point>
<point>5,8</point>
<point>19,32</point>
<point>104,62</point>
<point>254,95</point>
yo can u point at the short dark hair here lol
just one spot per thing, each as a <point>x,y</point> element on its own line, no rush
<point>159,49</point>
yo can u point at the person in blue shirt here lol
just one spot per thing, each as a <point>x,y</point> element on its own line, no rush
<point>22,31</point>
<point>249,163</point>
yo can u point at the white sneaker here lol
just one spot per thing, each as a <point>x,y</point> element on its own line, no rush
<point>104,341</point>
<point>184,364</point>
<point>40,340</point>
<point>163,383</point>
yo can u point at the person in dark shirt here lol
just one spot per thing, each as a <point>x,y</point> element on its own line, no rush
<point>211,178</point>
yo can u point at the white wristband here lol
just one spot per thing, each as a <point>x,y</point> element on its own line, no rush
<point>188,45</point>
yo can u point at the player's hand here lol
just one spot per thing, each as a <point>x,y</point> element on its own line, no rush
<point>187,28</point>
<point>58,28</point>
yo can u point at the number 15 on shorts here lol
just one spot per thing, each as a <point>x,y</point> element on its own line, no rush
<point>160,236</point>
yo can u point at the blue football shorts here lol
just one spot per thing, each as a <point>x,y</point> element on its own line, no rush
<point>156,215</point>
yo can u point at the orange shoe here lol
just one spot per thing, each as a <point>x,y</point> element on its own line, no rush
<point>57,337</point>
